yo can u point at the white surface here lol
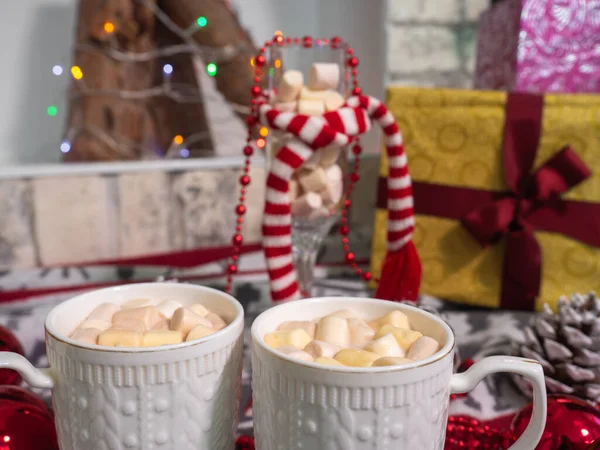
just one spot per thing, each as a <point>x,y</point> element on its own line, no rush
<point>37,34</point>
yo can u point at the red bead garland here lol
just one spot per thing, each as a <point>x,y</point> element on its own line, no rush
<point>252,119</point>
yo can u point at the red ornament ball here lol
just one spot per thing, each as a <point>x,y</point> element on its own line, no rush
<point>237,239</point>
<point>260,60</point>
<point>350,257</point>
<point>307,42</point>
<point>336,42</point>
<point>9,343</point>
<point>240,210</point>
<point>357,150</point>
<point>352,62</point>
<point>572,423</point>
<point>356,91</point>
<point>26,423</point>
<point>255,91</point>
<point>248,150</point>
<point>244,180</point>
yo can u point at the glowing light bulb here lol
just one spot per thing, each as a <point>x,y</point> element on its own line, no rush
<point>77,72</point>
<point>252,62</point>
<point>278,33</point>
<point>109,27</point>
<point>277,63</point>
<point>6,438</point>
<point>201,21</point>
<point>260,143</point>
<point>178,139</point>
<point>52,110</point>
<point>211,69</point>
<point>168,69</point>
<point>184,152</point>
<point>65,147</point>
<point>57,70</point>
<point>264,132</point>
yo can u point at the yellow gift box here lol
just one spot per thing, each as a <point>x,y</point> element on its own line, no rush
<point>456,142</point>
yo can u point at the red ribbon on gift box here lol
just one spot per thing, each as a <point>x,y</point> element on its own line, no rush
<point>533,203</point>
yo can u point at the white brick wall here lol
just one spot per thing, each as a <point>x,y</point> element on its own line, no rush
<point>432,42</point>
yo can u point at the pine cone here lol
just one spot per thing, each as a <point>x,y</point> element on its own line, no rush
<point>567,344</point>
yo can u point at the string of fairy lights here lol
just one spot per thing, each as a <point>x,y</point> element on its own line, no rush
<point>178,92</point>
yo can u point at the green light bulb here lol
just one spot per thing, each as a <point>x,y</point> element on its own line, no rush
<point>211,69</point>
<point>201,21</point>
<point>52,110</point>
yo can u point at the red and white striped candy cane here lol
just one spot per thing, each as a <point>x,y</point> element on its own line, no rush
<point>401,274</point>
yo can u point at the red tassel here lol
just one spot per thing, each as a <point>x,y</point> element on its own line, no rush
<point>401,275</point>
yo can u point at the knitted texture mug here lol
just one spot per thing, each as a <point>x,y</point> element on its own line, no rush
<point>401,274</point>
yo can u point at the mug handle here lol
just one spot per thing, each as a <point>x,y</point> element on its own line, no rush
<point>465,382</point>
<point>37,378</point>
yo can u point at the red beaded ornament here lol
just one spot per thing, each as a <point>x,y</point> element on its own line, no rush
<point>260,61</point>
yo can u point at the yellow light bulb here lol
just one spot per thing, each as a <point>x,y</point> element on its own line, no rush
<point>252,62</point>
<point>264,132</point>
<point>178,139</point>
<point>109,27</point>
<point>77,72</point>
<point>278,33</point>
<point>277,63</point>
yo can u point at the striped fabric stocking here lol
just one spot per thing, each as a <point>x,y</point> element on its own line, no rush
<point>401,273</point>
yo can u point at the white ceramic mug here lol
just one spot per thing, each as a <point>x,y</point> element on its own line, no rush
<point>304,405</point>
<point>182,396</point>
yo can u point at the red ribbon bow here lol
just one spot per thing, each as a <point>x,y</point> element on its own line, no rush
<point>533,203</point>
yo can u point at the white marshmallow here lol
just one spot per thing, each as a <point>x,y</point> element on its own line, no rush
<point>199,308</point>
<point>422,348</point>
<point>344,314</point>
<point>319,213</point>
<point>395,318</point>
<point>333,101</point>
<point>313,180</point>
<point>105,311</point>
<point>293,190</point>
<point>120,338</point>
<point>322,349</point>
<point>323,76</point>
<point>163,325</point>
<point>130,325</point>
<point>355,357</point>
<point>95,323</point>
<point>309,94</point>
<point>168,307</point>
<point>199,331</point>
<point>311,107</point>
<point>329,156</point>
<point>385,346</point>
<point>286,106</point>
<point>306,204</point>
<point>404,337</point>
<point>295,338</point>
<point>86,335</point>
<point>328,361</point>
<point>391,361</point>
<point>148,315</point>
<point>295,353</point>
<point>306,325</point>
<point>185,319</point>
<point>290,85</point>
<point>217,321</point>
<point>333,193</point>
<point>137,303</point>
<point>360,332</point>
<point>333,330</point>
<point>161,337</point>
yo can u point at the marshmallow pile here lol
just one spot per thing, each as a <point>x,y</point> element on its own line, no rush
<point>344,339</point>
<point>318,185</point>
<point>143,323</point>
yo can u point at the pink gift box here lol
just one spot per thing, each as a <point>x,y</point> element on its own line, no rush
<point>540,46</point>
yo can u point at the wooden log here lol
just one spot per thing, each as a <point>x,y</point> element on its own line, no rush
<point>234,76</point>
<point>104,125</point>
